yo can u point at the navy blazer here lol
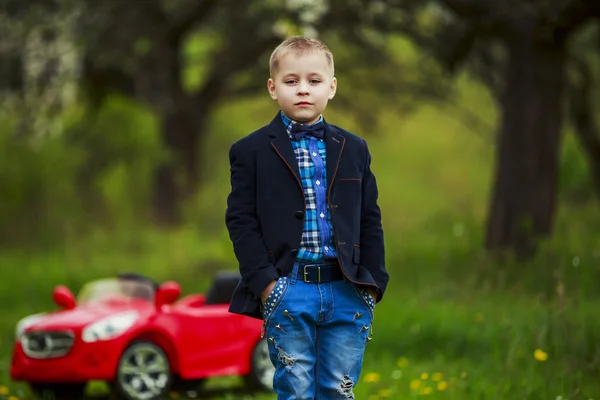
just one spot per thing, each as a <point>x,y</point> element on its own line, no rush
<point>265,211</point>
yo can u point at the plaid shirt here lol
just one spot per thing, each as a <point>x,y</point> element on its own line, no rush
<point>317,238</point>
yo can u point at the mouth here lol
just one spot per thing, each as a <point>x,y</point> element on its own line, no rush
<point>303,103</point>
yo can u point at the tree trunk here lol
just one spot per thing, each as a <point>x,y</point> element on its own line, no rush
<point>176,179</point>
<point>11,72</point>
<point>523,201</point>
<point>182,118</point>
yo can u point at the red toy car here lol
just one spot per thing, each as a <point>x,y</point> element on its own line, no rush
<point>134,334</point>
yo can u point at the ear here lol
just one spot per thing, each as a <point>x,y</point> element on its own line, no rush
<point>332,88</point>
<point>271,87</point>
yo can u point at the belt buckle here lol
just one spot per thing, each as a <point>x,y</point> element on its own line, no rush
<point>318,273</point>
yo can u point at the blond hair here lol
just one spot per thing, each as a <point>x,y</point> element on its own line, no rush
<point>298,44</point>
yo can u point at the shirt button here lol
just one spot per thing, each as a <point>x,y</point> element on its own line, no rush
<point>318,182</point>
<point>322,215</point>
<point>314,154</point>
<point>326,248</point>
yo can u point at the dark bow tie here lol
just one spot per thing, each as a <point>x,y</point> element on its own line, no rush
<point>317,130</point>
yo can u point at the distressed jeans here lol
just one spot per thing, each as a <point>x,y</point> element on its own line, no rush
<point>317,334</point>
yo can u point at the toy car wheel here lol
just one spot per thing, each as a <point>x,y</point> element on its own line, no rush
<point>143,373</point>
<point>261,369</point>
<point>66,391</point>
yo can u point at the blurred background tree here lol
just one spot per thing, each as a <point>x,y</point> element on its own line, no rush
<point>139,50</point>
<point>522,52</point>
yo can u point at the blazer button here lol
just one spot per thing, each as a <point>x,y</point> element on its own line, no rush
<point>294,252</point>
<point>299,214</point>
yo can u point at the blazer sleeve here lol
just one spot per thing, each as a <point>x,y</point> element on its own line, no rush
<point>372,248</point>
<point>256,267</point>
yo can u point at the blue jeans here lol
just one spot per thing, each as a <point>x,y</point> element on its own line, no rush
<point>317,334</point>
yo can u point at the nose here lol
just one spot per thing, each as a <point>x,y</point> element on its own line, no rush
<point>302,88</point>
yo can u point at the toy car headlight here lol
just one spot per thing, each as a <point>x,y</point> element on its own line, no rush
<point>109,327</point>
<point>26,323</point>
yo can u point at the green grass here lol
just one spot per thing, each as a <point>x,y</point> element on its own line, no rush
<point>454,324</point>
<point>447,311</point>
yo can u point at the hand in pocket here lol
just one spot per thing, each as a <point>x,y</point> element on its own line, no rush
<point>265,293</point>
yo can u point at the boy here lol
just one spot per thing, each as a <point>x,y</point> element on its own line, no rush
<point>306,229</point>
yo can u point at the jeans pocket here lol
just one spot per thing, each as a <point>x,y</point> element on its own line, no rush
<point>274,298</point>
<point>369,299</point>
<point>366,299</point>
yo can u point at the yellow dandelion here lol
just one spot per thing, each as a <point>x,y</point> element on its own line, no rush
<point>385,393</point>
<point>402,362</point>
<point>372,377</point>
<point>540,355</point>
<point>414,385</point>
<point>426,390</point>
<point>13,398</point>
<point>173,395</point>
<point>437,376</point>
<point>441,386</point>
<point>3,390</point>
<point>373,397</point>
<point>424,375</point>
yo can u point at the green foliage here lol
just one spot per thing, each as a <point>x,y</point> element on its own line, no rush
<point>575,178</point>
<point>122,148</point>
<point>39,196</point>
<point>196,50</point>
<point>99,168</point>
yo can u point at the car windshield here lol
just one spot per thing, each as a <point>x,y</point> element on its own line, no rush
<point>114,288</point>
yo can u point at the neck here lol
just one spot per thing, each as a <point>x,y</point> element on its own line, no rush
<point>303,123</point>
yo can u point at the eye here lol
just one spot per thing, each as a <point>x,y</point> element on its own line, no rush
<point>315,81</point>
<point>290,81</point>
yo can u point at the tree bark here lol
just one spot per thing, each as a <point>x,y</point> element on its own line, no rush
<point>11,72</point>
<point>176,179</point>
<point>182,118</point>
<point>523,201</point>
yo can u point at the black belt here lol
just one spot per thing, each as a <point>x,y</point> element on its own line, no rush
<point>319,272</point>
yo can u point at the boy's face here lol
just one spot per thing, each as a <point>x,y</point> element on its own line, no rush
<point>302,85</point>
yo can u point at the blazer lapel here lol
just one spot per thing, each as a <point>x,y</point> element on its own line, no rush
<point>283,147</point>
<point>334,147</point>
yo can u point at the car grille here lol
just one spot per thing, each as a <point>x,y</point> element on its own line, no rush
<point>47,344</point>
